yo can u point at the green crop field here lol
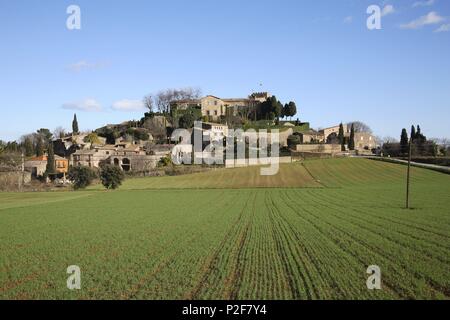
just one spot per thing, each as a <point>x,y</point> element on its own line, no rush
<point>309,232</point>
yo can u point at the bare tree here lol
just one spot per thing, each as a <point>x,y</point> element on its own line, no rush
<point>360,126</point>
<point>148,102</point>
<point>389,140</point>
<point>444,142</point>
<point>163,99</point>
<point>59,132</point>
<point>10,161</point>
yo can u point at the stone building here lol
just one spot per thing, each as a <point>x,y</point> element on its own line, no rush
<point>364,141</point>
<point>333,130</point>
<point>312,136</point>
<point>129,157</point>
<point>215,107</point>
<point>38,165</point>
<point>134,162</point>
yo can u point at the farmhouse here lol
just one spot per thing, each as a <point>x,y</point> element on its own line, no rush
<point>215,107</point>
<point>38,165</point>
<point>364,141</point>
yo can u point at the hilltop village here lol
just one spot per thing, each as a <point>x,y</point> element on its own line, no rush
<point>140,146</point>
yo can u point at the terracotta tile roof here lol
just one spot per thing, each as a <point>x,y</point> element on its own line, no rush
<point>40,158</point>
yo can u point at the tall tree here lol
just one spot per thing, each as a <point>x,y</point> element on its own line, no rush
<point>404,142</point>
<point>351,141</point>
<point>419,136</point>
<point>39,146</point>
<point>28,146</point>
<point>292,109</point>
<point>50,169</point>
<point>341,137</point>
<point>276,107</point>
<point>44,134</point>
<point>413,133</point>
<point>285,110</point>
<point>75,129</point>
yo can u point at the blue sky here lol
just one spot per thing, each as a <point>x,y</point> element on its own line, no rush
<point>318,53</point>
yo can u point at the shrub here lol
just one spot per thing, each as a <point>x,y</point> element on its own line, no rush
<point>92,138</point>
<point>187,120</point>
<point>108,133</point>
<point>111,176</point>
<point>164,162</point>
<point>293,140</point>
<point>81,176</point>
<point>141,135</point>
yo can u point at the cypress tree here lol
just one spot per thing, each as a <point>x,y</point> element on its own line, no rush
<point>404,142</point>
<point>292,107</point>
<point>341,137</point>
<point>351,142</point>
<point>50,169</point>
<point>75,129</point>
<point>413,133</point>
<point>419,136</point>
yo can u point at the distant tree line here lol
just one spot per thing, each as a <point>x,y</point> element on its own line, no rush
<point>420,145</point>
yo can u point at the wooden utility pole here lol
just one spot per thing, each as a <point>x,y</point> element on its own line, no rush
<point>408,174</point>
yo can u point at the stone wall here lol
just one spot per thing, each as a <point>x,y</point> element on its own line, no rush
<point>320,148</point>
<point>12,181</point>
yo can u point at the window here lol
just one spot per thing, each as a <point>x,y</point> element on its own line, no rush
<point>215,112</point>
<point>208,113</point>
